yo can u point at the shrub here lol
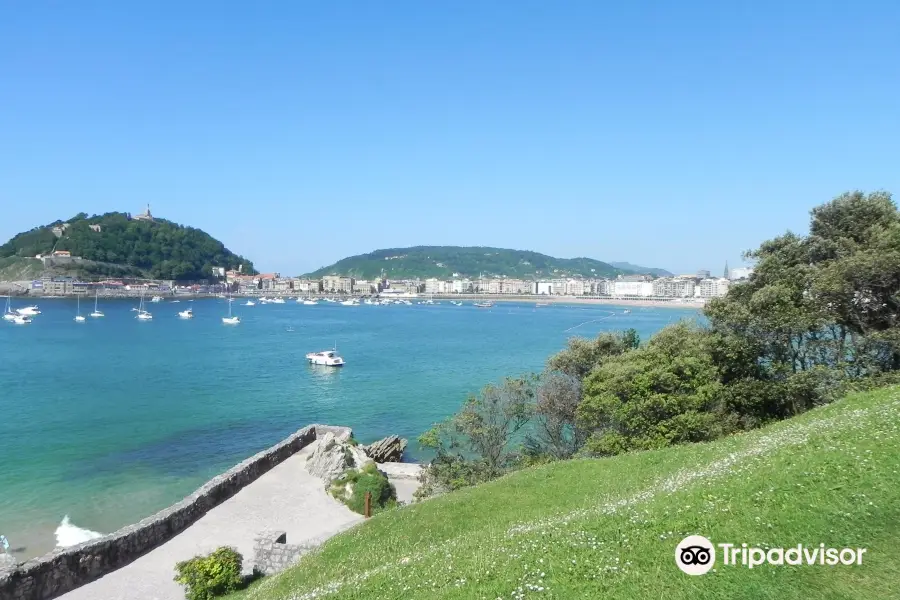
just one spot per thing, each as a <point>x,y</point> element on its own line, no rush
<point>206,577</point>
<point>368,479</point>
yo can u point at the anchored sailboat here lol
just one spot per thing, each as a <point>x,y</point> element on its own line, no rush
<point>79,318</point>
<point>143,315</point>
<point>231,319</point>
<point>97,312</point>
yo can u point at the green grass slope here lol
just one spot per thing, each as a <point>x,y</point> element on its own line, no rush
<point>467,261</point>
<point>14,268</point>
<point>608,528</point>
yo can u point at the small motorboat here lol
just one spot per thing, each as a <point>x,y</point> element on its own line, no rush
<point>326,358</point>
<point>278,301</point>
<point>21,320</point>
<point>249,303</point>
<point>310,302</point>
<point>484,304</point>
<point>28,311</point>
<point>186,314</point>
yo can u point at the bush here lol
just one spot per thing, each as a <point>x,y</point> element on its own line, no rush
<point>206,577</point>
<point>368,479</point>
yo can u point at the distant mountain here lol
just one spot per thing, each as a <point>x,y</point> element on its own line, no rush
<point>625,266</point>
<point>468,261</point>
<point>141,246</point>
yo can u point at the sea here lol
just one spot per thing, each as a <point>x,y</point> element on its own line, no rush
<point>105,422</point>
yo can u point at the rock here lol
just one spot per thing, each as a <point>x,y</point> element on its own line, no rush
<point>333,456</point>
<point>395,470</point>
<point>390,449</point>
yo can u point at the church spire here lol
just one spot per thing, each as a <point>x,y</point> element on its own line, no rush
<point>727,272</point>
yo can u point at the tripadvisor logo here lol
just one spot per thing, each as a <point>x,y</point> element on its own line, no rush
<point>696,555</point>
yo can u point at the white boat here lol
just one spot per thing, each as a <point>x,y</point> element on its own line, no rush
<point>21,320</point>
<point>326,358</point>
<point>350,303</point>
<point>142,314</point>
<point>156,299</point>
<point>231,319</point>
<point>487,304</point>
<point>28,311</point>
<point>456,303</point>
<point>186,314</point>
<point>249,303</point>
<point>310,302</point>
<point>278,301</point>
<point>79,318</point>
<point>8,314</point>
<point>97,312</point>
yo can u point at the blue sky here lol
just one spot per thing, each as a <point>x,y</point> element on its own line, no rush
<point>669,134</point>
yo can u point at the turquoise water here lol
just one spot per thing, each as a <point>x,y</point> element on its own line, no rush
<point>111,420</point>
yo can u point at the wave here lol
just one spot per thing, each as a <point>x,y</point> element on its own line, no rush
<point>68,534</point>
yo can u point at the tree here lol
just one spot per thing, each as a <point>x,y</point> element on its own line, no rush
<point>556,433</point>
<point>478,442</point>
<point>581,355</point>
<point>660,394</point>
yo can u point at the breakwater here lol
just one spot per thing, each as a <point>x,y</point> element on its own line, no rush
<point>65,569</point>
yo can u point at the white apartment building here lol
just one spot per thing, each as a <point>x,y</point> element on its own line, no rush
<point>437,286</point>
<point>713,288</point>
<point>544,288</point>
<point>365,286</point>
<point>516,286</point>
<point>461,286</point>
<point>575,287</point>
<point>643,289</point>
<point>674,287</point>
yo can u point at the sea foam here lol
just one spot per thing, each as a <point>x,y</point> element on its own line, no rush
<point>68,534</point>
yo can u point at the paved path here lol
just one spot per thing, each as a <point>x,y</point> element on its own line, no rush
<point>286,498</point>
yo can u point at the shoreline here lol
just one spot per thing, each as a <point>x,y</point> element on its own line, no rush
<point>572,300</point>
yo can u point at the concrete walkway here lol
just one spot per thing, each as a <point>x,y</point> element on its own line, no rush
<point>287,498</point>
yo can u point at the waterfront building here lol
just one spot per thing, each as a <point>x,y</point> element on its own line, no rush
<point>437,286</point>
<point>713,288</point>
<point>673,287</point>
<point>543,288</point>
<point>461,286</point>
<point>337,284</point>
<point>575,287</point>
<point>643,289</point>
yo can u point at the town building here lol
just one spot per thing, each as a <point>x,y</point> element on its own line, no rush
<point>575,287</point>
<point>543,288</point>
<point>713,288</point>
<point>95,228</point>
<point>674,287</point>
<point>642,289</point>
<point>461,286</point>
<point>365,286</point>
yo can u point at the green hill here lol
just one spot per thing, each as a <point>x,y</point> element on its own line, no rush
<point>627,266</point>
<point>464,261</point>
<point>608,528</point>
<point>158,248</point>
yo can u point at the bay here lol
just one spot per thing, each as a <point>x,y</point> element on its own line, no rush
<point>110,420</point>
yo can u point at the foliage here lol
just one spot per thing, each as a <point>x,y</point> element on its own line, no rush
<point>368,479</point>
<point>663,393</point>
<point>205,577</point>
<point>607,528</point>
<point>471,262</point>
<point>477,443</point>
<point>581,356</point>
<point>159,249</point>
<point>555,433</point>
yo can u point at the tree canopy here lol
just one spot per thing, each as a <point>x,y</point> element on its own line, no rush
<point>160,249</point>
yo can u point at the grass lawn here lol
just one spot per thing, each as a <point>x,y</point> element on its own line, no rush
<point>608,528</point>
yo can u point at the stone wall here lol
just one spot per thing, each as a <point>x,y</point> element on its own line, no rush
<point>68,568</point>
<point>272,554</point>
